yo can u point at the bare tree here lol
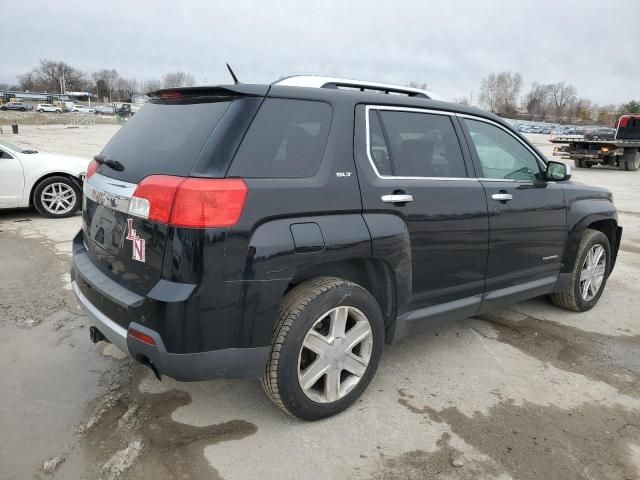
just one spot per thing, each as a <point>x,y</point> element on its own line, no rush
<point>562,95</point>
<point>489,92</point>
<point>105,81</point>
<point>499,92</point>
<point>59,76</point>
<point>538,101</point>
<point>151,85</point>
<point>421,86</point>
<point>126,88</point>
<point>178,79</point>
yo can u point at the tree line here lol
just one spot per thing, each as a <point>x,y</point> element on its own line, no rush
<point>59,77</point>
<point>559,102</point>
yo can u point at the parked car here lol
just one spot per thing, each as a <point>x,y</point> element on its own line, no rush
<point>600,134</point>
<point>104,109</point>
<point>81,109</point>
<point>52,183</point>
<point>20,106</point>
<point>288,231</point>
<point>47,107</point>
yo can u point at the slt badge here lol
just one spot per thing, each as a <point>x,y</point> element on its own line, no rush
<point>138,243</point>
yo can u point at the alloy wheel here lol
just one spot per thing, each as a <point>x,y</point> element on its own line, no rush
<point>58,198</point>
<point>592,273</point>
<point>335,354</point>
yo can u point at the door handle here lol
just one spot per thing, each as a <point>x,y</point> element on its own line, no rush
<point>502,197</point>
<point>404,198</point>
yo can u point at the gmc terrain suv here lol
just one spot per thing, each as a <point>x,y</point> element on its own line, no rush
<point>287,231</point>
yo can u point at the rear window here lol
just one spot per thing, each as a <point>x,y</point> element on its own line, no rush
<point>286,140</point>
<point>162,138</point>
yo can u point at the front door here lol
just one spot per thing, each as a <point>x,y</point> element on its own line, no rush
<point>527,215</point>
<point>416,170</point>
<point>11,180</point>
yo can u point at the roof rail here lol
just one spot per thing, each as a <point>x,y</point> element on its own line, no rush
<point>315,81</point>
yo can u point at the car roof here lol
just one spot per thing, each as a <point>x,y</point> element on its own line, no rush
<point>334,96</point>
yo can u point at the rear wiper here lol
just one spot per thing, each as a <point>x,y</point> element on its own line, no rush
<point>109,162</point>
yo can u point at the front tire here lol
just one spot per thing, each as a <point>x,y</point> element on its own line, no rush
<point>589,275</point>
<point>57,197</point>
<point>326,348</point>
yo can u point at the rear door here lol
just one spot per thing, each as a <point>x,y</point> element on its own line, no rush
<point>527,215</point>
<point>415,169</point>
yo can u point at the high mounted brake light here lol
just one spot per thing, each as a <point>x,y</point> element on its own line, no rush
<point>190,202</point>
<point>170,94</point>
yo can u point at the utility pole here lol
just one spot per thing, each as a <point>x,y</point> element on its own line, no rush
<point>471,100</point>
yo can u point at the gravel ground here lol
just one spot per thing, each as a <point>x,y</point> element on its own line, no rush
<point>531,392</point>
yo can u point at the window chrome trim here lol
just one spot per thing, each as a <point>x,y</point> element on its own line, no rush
<point>541,162</point>
<point>368,108</point>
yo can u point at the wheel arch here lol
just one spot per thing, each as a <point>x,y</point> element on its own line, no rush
<point>39,180</point>
<point>601,222</point>
<point>373,274</point>
<point>610,228</point>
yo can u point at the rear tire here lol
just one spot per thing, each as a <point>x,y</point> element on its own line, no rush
<point>313,348</point>
<point>57,197</point>
<point>574,297</point>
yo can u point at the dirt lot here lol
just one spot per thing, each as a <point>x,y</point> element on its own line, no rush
<point>532,392</point>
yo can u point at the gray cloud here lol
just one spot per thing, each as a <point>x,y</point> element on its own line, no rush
<point>450,45</point>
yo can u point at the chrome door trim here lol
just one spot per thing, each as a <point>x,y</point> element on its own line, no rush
<point>368,108</point>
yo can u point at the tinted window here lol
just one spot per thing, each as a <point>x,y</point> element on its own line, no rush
<point>286,140</point>
<point>423,145</point>
<point>162,138</point>
<point>378,145</point>
<point>500,154</point>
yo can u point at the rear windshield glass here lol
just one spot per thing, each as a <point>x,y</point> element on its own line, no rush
<point>162,138</point>
<point>286,140</point>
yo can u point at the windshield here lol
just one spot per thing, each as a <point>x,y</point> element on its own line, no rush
<point>10,146</point>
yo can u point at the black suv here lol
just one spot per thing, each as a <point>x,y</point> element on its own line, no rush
<point>287,231</point>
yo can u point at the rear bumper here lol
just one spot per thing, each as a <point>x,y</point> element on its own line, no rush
<point>226,363</point>
<point>246,362</point>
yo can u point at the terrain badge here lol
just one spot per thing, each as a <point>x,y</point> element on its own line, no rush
<point>138,243</point>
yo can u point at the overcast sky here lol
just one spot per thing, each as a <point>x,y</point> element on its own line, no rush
<point>448,44</point>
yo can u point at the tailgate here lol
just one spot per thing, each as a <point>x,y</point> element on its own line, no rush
<point>124,247</point>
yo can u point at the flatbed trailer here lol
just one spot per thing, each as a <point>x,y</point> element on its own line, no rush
<point>623,151</point>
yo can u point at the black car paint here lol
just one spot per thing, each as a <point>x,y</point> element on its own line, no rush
<point>219,290</point>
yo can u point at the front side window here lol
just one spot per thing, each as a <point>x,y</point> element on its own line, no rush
<point>501,156</point>
<point>286,140</point>
<point>420,145</point>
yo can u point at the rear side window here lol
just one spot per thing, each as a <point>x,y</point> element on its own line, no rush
<point>286,140</point>
<point>162,138</point>
<point>421,145</point>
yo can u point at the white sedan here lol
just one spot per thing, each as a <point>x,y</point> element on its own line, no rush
<point>52,183</point>
<point>81,109</point>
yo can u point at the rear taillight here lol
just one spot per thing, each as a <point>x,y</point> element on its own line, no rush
<point>91,169</point>
<point>190,202</point>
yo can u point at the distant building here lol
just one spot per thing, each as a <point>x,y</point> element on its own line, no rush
<point>33,98</point>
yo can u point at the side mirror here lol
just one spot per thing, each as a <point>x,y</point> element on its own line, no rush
<point>557,171</point>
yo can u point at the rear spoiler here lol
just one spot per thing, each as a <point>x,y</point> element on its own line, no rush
<point>240,90</point>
